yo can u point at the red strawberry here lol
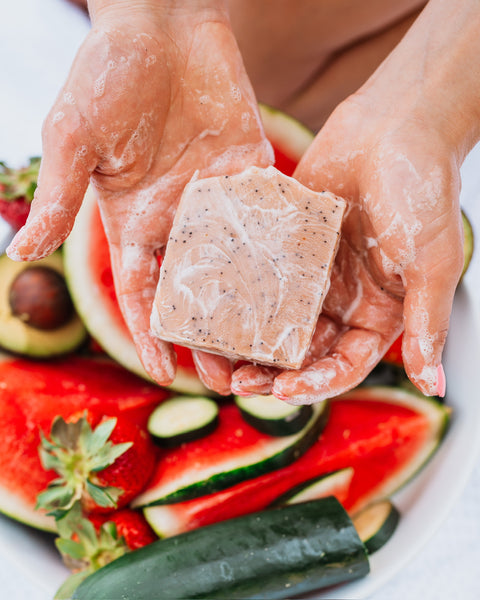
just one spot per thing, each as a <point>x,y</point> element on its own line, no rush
<point>131,526</point>
<point>87,544</point>
<point>132,470</point>
<point>17,187</point>
<point>102,468</point>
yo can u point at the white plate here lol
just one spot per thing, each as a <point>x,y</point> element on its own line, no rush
<point>424,503</point>
<point>29,564</point>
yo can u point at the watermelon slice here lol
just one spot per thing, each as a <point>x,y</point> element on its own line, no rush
<point>32,393</point>
<point>89,275</point>
<point>385,434</point>
<point>235,451</point>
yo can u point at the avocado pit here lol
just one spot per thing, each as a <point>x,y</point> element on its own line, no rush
<point>40,298</point>
<point>37,315</point>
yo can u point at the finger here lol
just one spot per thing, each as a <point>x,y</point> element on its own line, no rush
<point>325,334</point>
<point>214,371</point>
<point>253,379</point>
<point>67,162</point>
<point>349,361</point>
<point>135,272</point>
<point>427,308</point>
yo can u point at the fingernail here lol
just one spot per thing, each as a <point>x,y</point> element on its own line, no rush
<point>441,381</point>
<point>242,394</point>
<point>279,395</point>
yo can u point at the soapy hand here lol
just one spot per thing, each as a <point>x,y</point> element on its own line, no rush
<point>400,255</point>
<point>150,100</point>
<point>393,150</point>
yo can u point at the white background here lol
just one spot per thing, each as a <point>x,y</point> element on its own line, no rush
<point>38,41</point>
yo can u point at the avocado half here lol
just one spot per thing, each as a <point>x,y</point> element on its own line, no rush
<point>21,338</point>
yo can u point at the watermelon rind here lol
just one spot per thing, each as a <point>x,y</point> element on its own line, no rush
<point>285,133</point>
<point>167,520</point>
<point>12,506</point>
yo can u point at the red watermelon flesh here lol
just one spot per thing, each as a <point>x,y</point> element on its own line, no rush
<point>394,353</point>
<point>385,443</point>
<point>32,393</point>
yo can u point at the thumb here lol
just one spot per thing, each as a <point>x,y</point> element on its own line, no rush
<point>67,162</point>
<point>427,308</point>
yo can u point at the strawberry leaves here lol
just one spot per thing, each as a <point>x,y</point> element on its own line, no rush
<point>76,452</point>
<point>81,455</point>
<point>83,548</point>
<point>17,187</point>
<point>19,183</point>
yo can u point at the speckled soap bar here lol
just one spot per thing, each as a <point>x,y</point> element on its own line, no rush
<point>247,266</point>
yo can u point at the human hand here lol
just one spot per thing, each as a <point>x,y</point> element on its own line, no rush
<point>393,150</point>
<point>152,97</point>
<point>399,260</point>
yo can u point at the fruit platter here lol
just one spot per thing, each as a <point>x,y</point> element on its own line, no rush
<point>103,476</point>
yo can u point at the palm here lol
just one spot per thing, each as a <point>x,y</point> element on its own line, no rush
<point>141,115</point>
<point>400,251</point>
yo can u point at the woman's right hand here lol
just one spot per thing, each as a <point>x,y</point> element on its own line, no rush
<point>157,92</point>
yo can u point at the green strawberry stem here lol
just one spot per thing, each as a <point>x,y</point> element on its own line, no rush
<point>83,549</point>
<point>19,183</point>
<point>76,453</point>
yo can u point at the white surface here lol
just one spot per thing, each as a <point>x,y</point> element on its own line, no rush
<point>436,550</point>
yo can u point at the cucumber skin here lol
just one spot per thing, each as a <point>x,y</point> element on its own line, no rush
<point>279,427</point>
<point>271,555</point>
<point>221,481</point>
<point>188,436</point>
<point>381,537</point>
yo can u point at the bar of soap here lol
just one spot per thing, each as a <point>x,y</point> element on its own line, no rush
<point>247,267</point>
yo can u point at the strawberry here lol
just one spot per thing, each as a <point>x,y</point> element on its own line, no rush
<point>17,187</point>
<point>102,468</point>
<point>84,547</point>
<point>87,544</point>
<point>130,524</point>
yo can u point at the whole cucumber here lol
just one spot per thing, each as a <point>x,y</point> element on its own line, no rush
<point>277,553</point>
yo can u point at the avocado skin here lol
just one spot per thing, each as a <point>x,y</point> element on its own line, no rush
<point>20,338</point>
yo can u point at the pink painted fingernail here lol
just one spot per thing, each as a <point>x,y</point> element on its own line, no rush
<point>441,381</point>
<point>280,396</point>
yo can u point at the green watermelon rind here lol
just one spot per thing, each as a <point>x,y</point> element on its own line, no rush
<point>246,464</point>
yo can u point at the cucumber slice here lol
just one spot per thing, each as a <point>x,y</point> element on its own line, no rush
<point>376,523</point>
<point>272,416</point>
<point>183,419</point>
